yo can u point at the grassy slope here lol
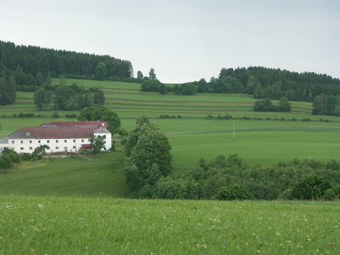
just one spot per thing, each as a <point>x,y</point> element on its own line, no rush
<point>67,177</point>
<point>50,225</point>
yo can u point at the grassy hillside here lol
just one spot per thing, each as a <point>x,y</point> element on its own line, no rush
<point>75,176</point>
<point>267,139</point>
<point>50,225</point>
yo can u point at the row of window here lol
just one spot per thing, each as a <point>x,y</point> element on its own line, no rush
<point>57,148</point>
<point>48,141</point>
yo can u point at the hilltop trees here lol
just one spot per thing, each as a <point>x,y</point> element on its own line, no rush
<point>32,67</point>
<point>149,156</point>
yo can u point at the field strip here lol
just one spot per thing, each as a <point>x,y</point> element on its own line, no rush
<point>305,129</point>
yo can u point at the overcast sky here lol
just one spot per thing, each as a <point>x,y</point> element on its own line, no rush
<point>184,40</point>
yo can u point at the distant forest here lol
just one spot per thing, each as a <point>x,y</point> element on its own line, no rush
<point>32,67</point>
<point>269,83</point>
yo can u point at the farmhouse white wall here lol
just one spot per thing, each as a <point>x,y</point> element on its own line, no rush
<point>59,136</point>
<point>56,145</point>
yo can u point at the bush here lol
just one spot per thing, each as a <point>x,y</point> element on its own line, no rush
<point>234,192</point>
<point>123,132</point>
<point>71,115</point>
<point>123,142</point>
<point>55,115</point>
<point>25,156</point>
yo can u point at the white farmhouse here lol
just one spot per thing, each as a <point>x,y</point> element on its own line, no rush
<point>61,137</point>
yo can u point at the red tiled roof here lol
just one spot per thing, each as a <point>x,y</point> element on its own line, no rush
<point>76,123</point>
<point>59,132</point>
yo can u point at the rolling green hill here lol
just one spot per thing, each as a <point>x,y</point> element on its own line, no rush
<point>261,138</point>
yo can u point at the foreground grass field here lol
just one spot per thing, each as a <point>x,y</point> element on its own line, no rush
<point>50,225</point>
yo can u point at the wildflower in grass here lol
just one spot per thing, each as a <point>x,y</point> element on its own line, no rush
<point>330,244</point>
<point>81,219</point>
<point>258,252</point>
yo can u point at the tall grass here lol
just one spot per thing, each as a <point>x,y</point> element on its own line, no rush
<point>51,225</point>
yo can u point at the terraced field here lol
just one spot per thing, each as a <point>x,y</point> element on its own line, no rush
<point>261,138</point>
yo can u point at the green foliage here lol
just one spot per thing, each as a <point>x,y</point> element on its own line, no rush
<point>134,134</point>
<point>99,98</point>
<point>7,90</point>
<point>284,105</point>
<point>311,187</point>
<point>234,192</point>
<point>151,85</point>
<point>152,74</point>
<point>33,66</point>
<point>43,99</point>
<point>13,155</point>
<point>5,162</point>
<point>101,114</point>
<point>149,157</point>
<point>97,143</point>
<point>326,105</point>
<point>101,71</point>
<point>265,105</point>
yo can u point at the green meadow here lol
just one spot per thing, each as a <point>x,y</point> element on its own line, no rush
<point>78,225</point>
<point>79,205</point>
<point>260,137</point>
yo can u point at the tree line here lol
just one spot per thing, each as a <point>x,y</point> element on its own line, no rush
<point>32,67</point>
<point>66,98</point>
<point>326,105</point>
<point>261,82</point>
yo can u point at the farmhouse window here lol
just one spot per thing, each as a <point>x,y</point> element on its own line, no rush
<point>12,141</point>
<point>74,147</point>
<point>48,141</point>
<point>22,141</point>
<point>56,141</point>
<point>22,148</point>
<point>65,141</point>
<point>57,147</point>
<point>31,148</point>
<point>82,140</point>
<point>74,141</point>
<point>39,141</point>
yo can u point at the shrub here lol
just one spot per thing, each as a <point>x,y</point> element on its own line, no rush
<point>234,192</point>
<point>71,115</point>
<point>123,142</point>
<point>55,115</point>
<point>312,187</point>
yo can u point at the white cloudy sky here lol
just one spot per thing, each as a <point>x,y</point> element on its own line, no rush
<point>184,40</point>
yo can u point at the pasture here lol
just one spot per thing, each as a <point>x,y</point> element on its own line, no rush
<point>75,176</point>
<point>261,137</point>
<point>77,225</point>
